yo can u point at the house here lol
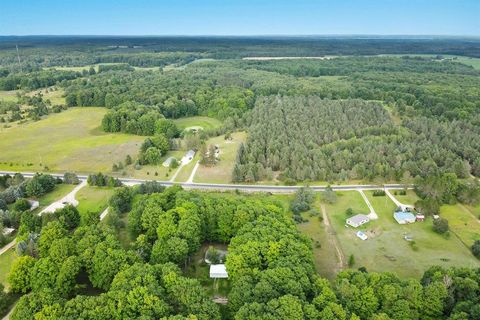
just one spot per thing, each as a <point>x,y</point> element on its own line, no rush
<point>33,204</point>
<point>420,217</point>
<point>168,162</point>
<point>357,220</point>
<point>362,235</point>
<point>404,217</point>
<point>218,271</point>
<point>7,231</point>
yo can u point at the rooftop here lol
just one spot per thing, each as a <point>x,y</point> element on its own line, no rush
<point>358,218</point>
<point>218,271</point>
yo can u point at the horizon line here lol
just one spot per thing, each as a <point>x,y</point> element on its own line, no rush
<point>252,35</point>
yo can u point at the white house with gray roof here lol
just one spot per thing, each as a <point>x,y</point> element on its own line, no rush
<point>357,220</point>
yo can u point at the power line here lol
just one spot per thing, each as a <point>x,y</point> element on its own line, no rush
<point>18,57</point>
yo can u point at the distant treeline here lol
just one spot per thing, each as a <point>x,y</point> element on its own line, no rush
<point>235,47</point>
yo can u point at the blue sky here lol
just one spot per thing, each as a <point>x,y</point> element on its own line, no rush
<point>235,17</point>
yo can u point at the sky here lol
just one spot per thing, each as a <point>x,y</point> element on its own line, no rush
<point>240,17</point>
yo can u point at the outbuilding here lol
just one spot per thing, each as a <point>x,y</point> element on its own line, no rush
<point>404,217</point>
<point>218,271</point>
<point>34,204</point>
<point>420,217</point>
<point>358,220</point>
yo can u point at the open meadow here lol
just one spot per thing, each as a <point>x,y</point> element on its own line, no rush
<point>222,171</point>
<point>69,141</point>
<point>93,199</point>
<point>197,122</point>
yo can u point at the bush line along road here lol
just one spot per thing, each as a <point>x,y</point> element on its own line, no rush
<point>249,188</point>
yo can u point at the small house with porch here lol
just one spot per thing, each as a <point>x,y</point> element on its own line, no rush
<point>357,220</point>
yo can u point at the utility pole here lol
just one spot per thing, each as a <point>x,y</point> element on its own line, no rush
<point>18,57</point>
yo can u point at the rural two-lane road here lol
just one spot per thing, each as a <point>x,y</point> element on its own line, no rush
<point>241,187</point>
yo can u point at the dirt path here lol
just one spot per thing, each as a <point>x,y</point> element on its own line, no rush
<point>332,237</point>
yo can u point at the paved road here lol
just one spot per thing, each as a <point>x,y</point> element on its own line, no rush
<point>242,187</point>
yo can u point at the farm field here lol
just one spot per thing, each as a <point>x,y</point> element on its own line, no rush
<point>222,171</point>
<point>196,122</point>
<point>93,199</point>
<point>76,144</point>
<point>386,249</point>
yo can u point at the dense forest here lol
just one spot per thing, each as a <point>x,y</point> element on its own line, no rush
<point>72,266</point>
<point>307,138</point>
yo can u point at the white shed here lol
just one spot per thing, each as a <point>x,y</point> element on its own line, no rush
<point>218,271</point>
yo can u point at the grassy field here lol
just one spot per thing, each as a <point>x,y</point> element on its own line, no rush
<point>410,198</point>
<point>59,192</point>
<point>68,141</point>
<point>9,95</point>
<point>186,170</point>
<point>203,122</point>
<point>386,249</point>
<point>222,171</point>
<point>474,62</point>
<point>324,254</point>
<point>55,96</point>
<point>148,171</point>
<point>462,221</point>
<point>6,261</point>
<point>93,199</point>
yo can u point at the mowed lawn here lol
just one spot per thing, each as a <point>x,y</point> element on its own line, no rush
<point>462,222</point>
<point>222,171</point>
<point>156,172</point>
<point>409,198</point>
<point>386,249</point>
<point>204,123</point>
<point>68,141</point>
<point>6,261</point>
<point>187,169</point>
<point>93,199</point>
